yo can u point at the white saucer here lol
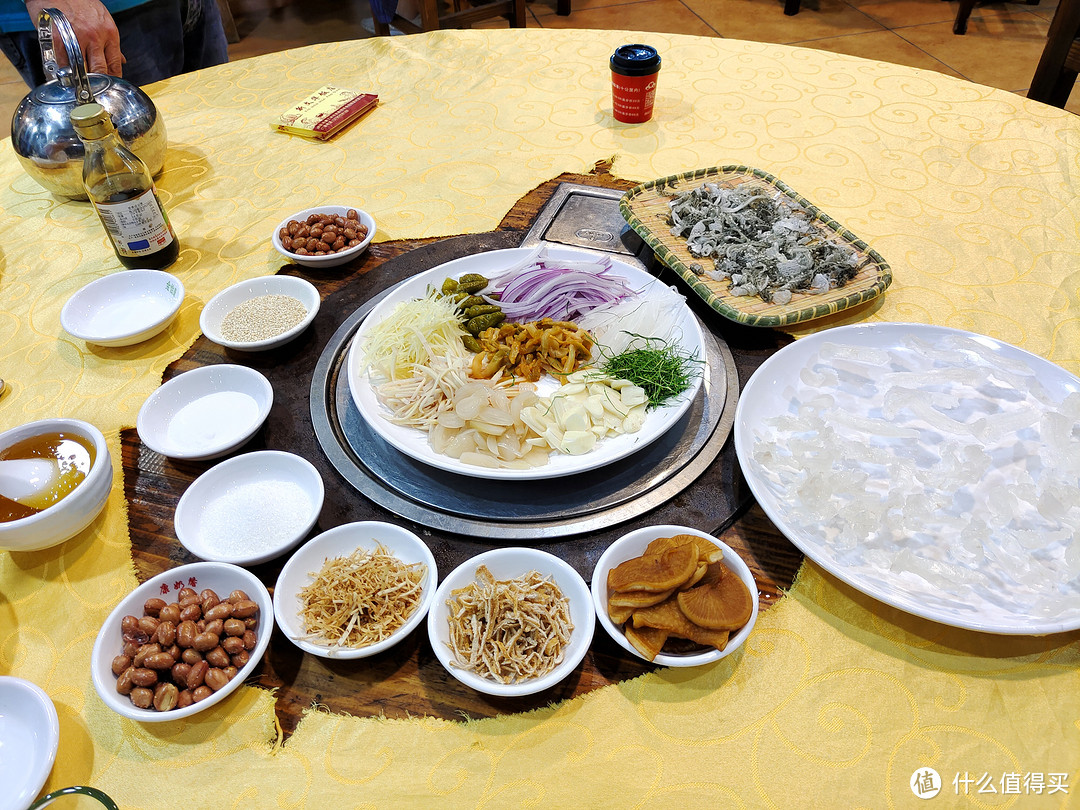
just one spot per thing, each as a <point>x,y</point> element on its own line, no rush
<point>123,308</point>
<point>29,737</point>
<point>206,412</point>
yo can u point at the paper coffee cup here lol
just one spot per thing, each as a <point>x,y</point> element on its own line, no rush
<point>634,69</point>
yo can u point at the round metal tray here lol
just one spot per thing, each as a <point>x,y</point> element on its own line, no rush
<point>519,510</point>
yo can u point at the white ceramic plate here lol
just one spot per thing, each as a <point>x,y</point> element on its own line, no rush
<point>219,577</point>
<point>633,545</point>
<point>29,737</point>
<point>992,593</point>
<point>342,541</point>
<point>508,563</point>
<point>123,308</point>
<point>414,442</point>
<point>333,259</point>
<point>250,508</point>
<point>231,297</point>
<point>206,412</point>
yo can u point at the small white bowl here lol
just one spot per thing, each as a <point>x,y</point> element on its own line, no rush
<point>633,545</point>
<point>29,737</point>
<point>342,541</point>
<point>250,508</point>
<point>509,563</point>
<point>123,308</point>
<point>66,518</point>
<point>231,297</point>
<point>333,259</point>
<point>205,413</point>
<point>219,577</point>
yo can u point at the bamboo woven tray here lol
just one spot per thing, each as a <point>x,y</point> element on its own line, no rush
<point>645,208</point>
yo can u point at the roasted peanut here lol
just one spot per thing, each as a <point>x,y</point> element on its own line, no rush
<point>217,657</point>
<point>152,607</point>
<point>238,596</point>
<point>191,613</point>
<point>206,641</point>
<point>180,672</point>
<point>122,662</point>
<point>124,684</point>
<point>197,674</point>
<point>232,645</point>
<point>201,693</point>
<point>166,634</point>
<point>222,610</point>
<point>217,627</point>
<point>216,679</point>
<point>165,696</point>
<point>240,659</point>
<point>185,699</point>
<point>144,652</point>
<point>244,609</point>
<point>170,613</point>
<point>234,627</point>
<point>185,633</point>
<point>142,697</point>
<point>160,660</point>
<point>191,656</point>
<point>141,676</point>
<point>250,640</point>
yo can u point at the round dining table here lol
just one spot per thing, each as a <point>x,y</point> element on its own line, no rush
<point>835,700</point>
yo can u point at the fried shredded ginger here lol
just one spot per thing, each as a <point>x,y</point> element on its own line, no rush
<point>509,630</point>
<point>361,599</point>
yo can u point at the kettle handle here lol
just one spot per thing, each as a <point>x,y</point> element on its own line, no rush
<point>46,19</point>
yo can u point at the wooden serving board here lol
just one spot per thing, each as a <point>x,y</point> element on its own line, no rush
<point>407,680</point>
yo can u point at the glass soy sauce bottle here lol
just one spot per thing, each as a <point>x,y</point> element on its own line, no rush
<point>122,191</point>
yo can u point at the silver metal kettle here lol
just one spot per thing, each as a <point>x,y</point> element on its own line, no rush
<point>41,132</point>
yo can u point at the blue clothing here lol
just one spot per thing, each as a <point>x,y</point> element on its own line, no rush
<point>15,17</point>
<point>159,39</point>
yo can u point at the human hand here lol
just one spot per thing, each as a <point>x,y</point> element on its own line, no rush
<point>94,29</point>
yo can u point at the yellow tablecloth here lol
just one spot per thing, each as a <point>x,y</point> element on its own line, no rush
<point>971,195</point>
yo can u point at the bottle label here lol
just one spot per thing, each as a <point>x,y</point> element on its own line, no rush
<point>137,227</point>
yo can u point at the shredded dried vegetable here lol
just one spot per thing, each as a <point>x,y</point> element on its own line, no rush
<point>765,244</point>
<point>361,599</point>
<point>509,630</point>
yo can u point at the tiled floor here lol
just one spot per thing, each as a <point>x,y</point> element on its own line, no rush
<point>1001,47</point>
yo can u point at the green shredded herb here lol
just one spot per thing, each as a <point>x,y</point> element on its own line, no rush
<point>659,368</point>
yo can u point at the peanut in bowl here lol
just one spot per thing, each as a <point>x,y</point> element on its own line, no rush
<point>134,629</point>
<point>641,640</point>
<point>306,249</point>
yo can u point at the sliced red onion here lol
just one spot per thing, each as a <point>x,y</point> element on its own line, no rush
<point>545,287</point>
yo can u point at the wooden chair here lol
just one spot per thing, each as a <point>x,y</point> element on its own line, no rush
<point>1060,61</point>
<point>966,7</point>
<point>432,19</point>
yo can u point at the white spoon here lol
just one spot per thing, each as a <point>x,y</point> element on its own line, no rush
<point>26,480</point>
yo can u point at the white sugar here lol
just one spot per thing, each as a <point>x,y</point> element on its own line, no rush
<point>254,518</point>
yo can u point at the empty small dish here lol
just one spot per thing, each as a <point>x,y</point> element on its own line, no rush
<point>633,545</point>
<point>342,541</point>
<point>507,564</point>
<point>123,308</point>
<point>205,413</point>
<point>250,508</point>
<point>260,313</point>
<point>29,737</point>
<point>330,259</point>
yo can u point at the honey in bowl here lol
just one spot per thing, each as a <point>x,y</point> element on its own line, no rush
<point>73,455</point>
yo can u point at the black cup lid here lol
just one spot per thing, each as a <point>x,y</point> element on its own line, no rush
<point>635,60</point>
